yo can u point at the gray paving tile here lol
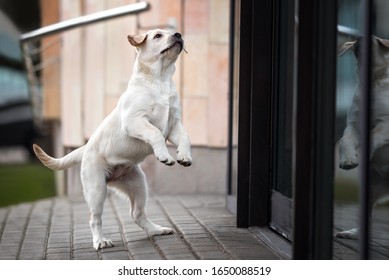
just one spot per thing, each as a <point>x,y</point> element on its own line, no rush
<point>115,255</point>
<point>85,254</point>
<point>58,256</point>
<point>147,256</point>
<point>58,228</point>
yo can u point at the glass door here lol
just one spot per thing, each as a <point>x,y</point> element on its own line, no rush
<point>283,118</point>
<point>350,170</point>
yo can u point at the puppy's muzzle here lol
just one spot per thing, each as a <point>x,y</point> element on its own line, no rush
<point>176,39</point>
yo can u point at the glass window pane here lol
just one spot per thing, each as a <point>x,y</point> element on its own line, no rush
<point>283,119</point>
<point>347,179</point>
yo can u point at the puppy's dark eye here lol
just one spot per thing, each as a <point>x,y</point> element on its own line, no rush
<point>157,36</point>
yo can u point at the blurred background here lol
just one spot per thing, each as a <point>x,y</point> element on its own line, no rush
<point>21,179</point>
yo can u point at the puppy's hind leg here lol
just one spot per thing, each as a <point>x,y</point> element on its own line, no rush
<point>95,191</point>
<point>355,232</point>
<point>134,186</point>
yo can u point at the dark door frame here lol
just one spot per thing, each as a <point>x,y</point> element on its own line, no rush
<point>314,142</point>
<point>255,85</point>
<point>314,164</point>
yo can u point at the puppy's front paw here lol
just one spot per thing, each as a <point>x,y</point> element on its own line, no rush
<point>102,243</point>
<point>348,155</point>
<point>349,162</point>
<point>167,160</point>
<point>184,160</point>
<point>165,157</point>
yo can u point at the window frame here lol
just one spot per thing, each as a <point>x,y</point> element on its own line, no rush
<point>315,107</point>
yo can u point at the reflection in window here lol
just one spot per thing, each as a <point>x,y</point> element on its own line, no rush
<point>346,216</point>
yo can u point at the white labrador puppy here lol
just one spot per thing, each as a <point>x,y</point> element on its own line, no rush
<point>147,114</point>
<point>349,143</point>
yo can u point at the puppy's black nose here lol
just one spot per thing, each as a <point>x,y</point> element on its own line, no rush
<point>177,35</point>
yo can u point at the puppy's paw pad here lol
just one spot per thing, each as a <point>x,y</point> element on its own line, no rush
<point>167,162</point>
<point>348,163</point>
<point>185,162</point>
<point>184,159</point>
<point>103,243</point>
<point>166,159</point>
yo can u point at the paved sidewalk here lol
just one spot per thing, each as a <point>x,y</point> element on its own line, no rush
<point>58,229</point>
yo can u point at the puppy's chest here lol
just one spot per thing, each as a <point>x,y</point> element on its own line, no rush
<point>381,102</point>
<point>162,114</point>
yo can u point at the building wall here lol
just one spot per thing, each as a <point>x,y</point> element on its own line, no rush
<point>95,64</point>
<point>51,58</point>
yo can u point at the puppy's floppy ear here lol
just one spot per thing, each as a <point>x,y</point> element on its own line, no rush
<point>345,47</point>
<point>383,43</point>
<point>137,40</point>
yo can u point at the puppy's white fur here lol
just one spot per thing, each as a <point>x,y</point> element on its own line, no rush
<point>349,143</point>
<point>147,114</point>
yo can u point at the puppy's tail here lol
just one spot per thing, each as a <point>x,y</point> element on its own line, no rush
<point>59,163</point>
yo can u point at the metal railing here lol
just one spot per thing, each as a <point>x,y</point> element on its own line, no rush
<point>348,31</point>
<point>29,52</point>
<point>84,20</point>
